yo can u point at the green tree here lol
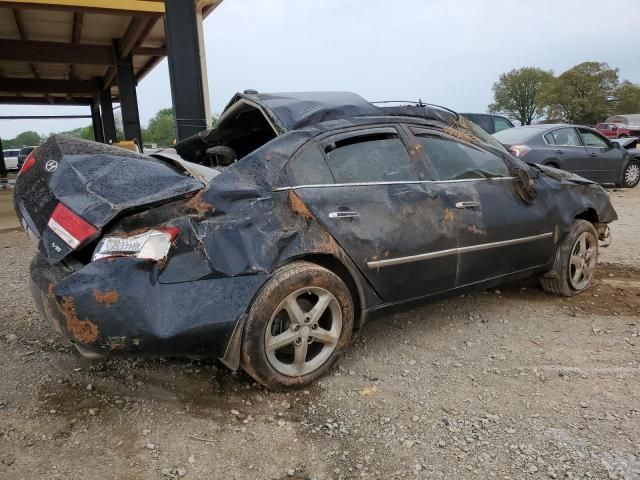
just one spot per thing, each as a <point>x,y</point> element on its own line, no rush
<point>27,138</point>
<point>516,93</point>
<point>86,133</point>
<point>161,129</point>
<point>583,94</point>
<point>627,98</point>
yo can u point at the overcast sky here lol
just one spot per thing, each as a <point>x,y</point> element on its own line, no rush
<point>444,52</point>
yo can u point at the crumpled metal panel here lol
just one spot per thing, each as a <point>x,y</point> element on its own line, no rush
<point>96,181</point>
<point>292,111</point>
<point>118,306</point>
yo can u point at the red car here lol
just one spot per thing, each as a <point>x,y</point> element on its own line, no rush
<point>613,130</point>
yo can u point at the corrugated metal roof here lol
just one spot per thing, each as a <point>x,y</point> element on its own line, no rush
<point>76,26</point>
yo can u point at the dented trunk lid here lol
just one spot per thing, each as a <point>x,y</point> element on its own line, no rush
<point>96,182</point>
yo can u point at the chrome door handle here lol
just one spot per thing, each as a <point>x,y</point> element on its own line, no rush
<point>467,204</point>
<point>593,154</point>
<point>343,214</point>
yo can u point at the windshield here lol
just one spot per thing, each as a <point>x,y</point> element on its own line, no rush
<point>516,135</point>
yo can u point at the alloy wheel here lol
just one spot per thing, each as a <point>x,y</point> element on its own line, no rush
<point>303,331</point>
<point>632,174</point>
<point>582,263</point>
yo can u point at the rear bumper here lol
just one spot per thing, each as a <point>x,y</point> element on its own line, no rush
<point>118,306</point>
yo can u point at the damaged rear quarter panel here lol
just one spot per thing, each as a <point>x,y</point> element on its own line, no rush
<point>106,306</point>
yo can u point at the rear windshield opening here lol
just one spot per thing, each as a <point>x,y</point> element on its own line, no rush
<point>516,135</point>
<point>242,129</point>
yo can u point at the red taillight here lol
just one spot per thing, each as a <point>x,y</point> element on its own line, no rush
<point>519,150</point>
<point>70,227</point>
<point>29,162</point>
<point>172,231</point>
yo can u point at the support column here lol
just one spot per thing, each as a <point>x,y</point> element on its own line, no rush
<point>96,121</point>
<point>185,68</point>
<point>3,167</point>
<point>108,120</point>
<point>128,97</point>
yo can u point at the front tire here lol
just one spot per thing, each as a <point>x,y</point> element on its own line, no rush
<point>576,260</point>
<point>631,174</point>
<point>297,326</point>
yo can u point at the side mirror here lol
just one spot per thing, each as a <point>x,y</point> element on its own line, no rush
<point>615,145</point>
<point>525,186</point>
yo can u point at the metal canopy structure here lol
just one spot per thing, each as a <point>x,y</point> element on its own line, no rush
<point>94,52</point>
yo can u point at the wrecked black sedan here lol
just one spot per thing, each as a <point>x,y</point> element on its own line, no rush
<point>268,240</point>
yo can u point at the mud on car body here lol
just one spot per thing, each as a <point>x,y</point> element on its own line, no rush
<point>266,241</point>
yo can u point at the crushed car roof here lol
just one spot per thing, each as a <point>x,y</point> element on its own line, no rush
<point>295,110</point>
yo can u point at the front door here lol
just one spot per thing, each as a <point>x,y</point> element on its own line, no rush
<point>604,161</point>
<point>498,233</point>
<point>376,205</point>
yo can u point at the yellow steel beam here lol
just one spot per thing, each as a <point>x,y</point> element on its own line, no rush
<point>112,6</point>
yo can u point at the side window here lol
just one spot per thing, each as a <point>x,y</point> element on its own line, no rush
<point>453,160</point>
<point>501,124</point>
<point>567,137</point>
<point>592,139</point>
<point>549,138</point>
<point>378,157</point>
<point>309,167</point>
<point>471,117</point>
<point>486,122</point>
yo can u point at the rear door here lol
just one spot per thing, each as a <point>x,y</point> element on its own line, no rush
<point>565,145</point>
<point>375,203</point>
<point>497,232</point>
<point>604,162</point>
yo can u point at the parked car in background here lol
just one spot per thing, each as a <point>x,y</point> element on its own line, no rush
<point>617,130</point>
<point>11,158</point>
<point>627,119</point>
<point>23,154</point>
<point>580,150</point>
<point>321,210</point>
<point>490,123</point>
<point>149,148</point>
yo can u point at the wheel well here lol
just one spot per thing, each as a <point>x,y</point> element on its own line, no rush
<point>552,164</point>
<point>330,262</point>
<point>589,215</point>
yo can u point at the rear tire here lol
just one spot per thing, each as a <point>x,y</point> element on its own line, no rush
<point>576,260</point>
<point>297,326</point>
<point>631,174</point>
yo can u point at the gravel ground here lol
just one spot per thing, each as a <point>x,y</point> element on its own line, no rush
<point>508,383</point>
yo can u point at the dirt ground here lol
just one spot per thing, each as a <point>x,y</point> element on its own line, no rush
<point>509,383</point>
